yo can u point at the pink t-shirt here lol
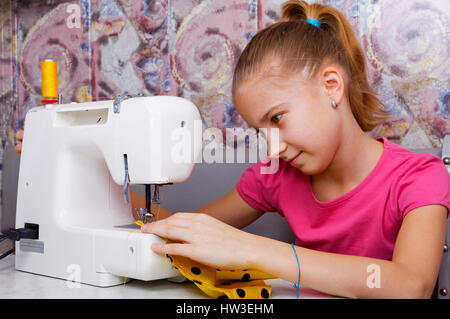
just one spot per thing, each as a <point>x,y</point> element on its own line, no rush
<point>366,220</point>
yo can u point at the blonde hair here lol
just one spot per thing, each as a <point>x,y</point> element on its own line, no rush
<point>301,46</point>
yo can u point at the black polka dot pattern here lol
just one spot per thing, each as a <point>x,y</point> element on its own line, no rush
<point>242,284</point>
<point>196,271</point>
<point>246,277</point>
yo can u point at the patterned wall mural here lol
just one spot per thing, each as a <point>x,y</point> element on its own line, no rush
<point>188,48</point>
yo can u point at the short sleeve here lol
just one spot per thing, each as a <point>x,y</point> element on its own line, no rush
<point>424,181</point>
<point>259,190</point>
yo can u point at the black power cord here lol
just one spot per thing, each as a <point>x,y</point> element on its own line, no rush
<point>5,248</point>
<point>30,231</point>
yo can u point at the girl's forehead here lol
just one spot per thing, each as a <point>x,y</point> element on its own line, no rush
<point>268,84</point>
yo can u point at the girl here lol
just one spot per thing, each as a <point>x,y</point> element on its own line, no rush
<point>356,204</point>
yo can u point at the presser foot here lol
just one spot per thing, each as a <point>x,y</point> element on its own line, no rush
<point>145,216</point>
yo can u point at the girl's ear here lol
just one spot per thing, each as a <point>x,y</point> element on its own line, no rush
<point>333,83</point>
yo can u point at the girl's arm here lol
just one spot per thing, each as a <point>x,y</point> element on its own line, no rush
<point>230,209</point>
<point>412,273</point>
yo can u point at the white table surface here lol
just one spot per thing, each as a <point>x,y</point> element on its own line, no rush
<point>16,284</point>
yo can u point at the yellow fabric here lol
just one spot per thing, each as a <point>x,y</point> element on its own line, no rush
<point>223,283</point>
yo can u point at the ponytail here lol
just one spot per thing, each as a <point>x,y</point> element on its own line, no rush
<point>294,39</point>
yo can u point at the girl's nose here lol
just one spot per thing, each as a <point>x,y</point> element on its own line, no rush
<point>274,151</point>
<point>275,144</point>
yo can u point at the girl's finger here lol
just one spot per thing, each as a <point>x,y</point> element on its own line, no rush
<point>172,249</point>
<point>167,222</point>
<point>18,148</point>
<point>169,231</point>
<point>178,219</point>
<point>19,135</point>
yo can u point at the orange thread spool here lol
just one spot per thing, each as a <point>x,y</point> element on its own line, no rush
<point>49,79</point>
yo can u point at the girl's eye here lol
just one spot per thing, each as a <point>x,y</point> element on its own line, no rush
<point>276,118</point>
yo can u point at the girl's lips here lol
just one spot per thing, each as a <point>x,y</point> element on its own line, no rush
<point>293,160</point>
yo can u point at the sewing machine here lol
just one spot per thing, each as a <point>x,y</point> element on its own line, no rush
<point>77,163</point>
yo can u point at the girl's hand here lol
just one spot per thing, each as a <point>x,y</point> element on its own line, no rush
<point>204,239</point>
<point>19,139</point>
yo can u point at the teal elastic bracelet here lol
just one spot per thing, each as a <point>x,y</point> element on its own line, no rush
<point>298,264</point>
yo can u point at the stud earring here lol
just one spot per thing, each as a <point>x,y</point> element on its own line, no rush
<point>333,103</point>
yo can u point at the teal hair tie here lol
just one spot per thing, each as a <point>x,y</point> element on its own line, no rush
<point>298,264</point>
<point>314,22</point>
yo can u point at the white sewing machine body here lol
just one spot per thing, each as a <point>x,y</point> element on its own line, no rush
<point>71,184</point>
